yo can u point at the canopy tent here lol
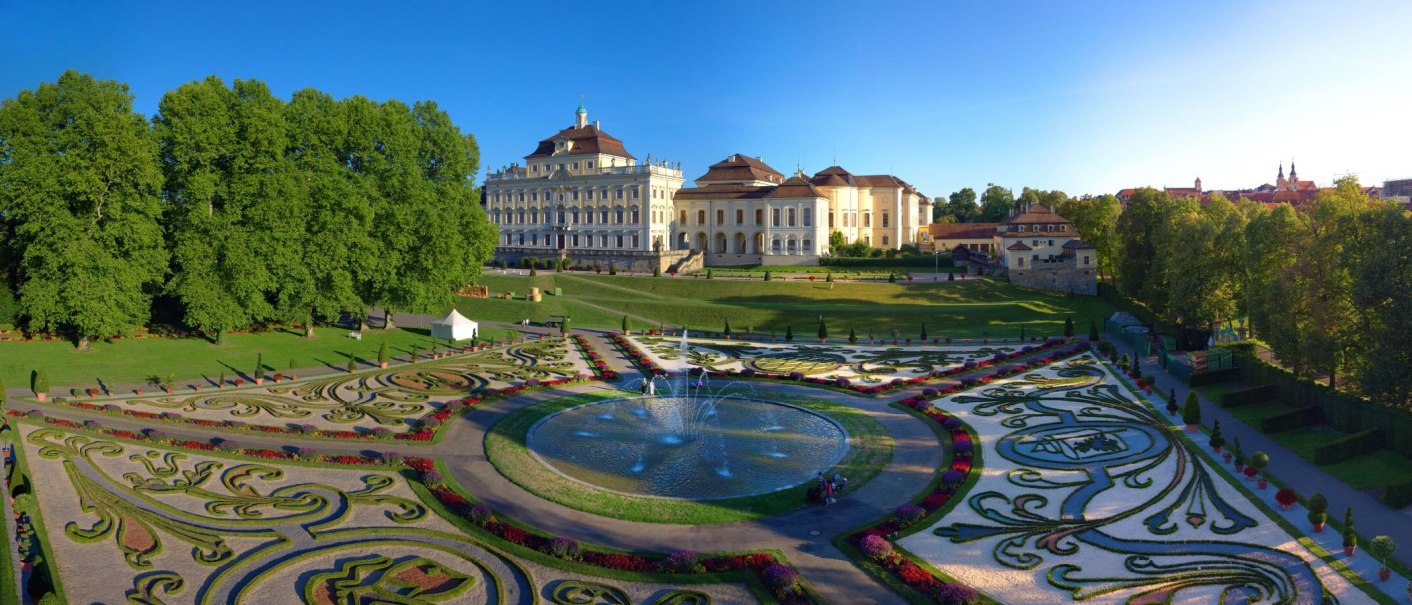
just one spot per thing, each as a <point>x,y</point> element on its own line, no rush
<point>454,327</point>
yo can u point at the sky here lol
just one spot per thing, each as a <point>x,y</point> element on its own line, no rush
<point>1086,97</point>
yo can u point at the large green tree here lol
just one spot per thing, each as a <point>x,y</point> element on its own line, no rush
<point>1382,285</point>
<point>81,180</point>
<point>960,204</point>
<point>996,203</point>
<point>232,201</point>
<point>1136,250</point>
<point>1096,220</point>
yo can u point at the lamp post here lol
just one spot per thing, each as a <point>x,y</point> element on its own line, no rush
<point>936,262</point>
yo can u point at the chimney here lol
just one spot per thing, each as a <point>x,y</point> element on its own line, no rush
<point>595,124</point>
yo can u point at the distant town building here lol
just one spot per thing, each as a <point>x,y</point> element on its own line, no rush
<point>1400,189</point>
<point>581,195</point>
<point>1287,190</point>
<point>1034,247</point>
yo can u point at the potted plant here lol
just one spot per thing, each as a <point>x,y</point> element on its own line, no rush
<point>1216,440</point>
<point>1238,457</point>
<point>1350,539</point>
<point>1172,402</point>
<point>383,356</point>
<point>1258,460</point>
<point>823,331</point>
<point>1147,381</point>
<point>627,327</point>
<point>1191,412</point>
<point>1286,497</point>
<point>167,382</point>
<point>1381,548</point>
<point>1317,520</point>
<point>352,363</point>
<point>259,368</point>
<point>39,383</point>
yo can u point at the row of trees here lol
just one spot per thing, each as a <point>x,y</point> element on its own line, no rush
<point>1328,286</point>
<point>237,205</point>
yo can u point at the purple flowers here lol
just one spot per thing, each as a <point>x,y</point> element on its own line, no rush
<point>842,383</point>
<point>954,594</point>
<point>480,514</point>
<point>953,478</point>
<point>909,513</point>
<point>929,392</point>
<point>780,578</point>
<point>963,448</point>
<point>564,548</point>
<point>681,561</point>
<point>951,423</point>
<point>875,546</point>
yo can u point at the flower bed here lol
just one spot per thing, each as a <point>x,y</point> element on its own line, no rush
<point>765,565</point>
<point>649,364</point>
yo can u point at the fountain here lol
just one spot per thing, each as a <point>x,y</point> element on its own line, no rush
<point>688,439</point>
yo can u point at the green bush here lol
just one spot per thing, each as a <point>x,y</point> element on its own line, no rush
<point>1293,419</point>
<point>1348,446</point>
<point>1191,412</point>
<point>1247,396</point>
<point>920,260</point>
<point>1381,548</point>
<point>383,354</point>
<point>1398,495</point>
<point>39,381</point>
<point>1318,503</point>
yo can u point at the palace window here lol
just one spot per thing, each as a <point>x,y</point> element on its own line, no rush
<point>1085,260</point>
<point>867,220</point>
<point>603,241</point>
<point>507,239</point>
<point>775,246</point>
<point>831,220</point>
<point>620,241</point>
<point>739,217</point>
<point>885,240</point>
<point>635,191</point>
<point>683,217</point>
<point>534,216</point>
<point>534,239</point>
<point>522,196</point>
<point>634,240</point>
<point>884,219</point>
<point>701,217</point>
<point>759,217</point>
<point>522,239</point>
<point>635,216</point>
<point>720,217</point>
<point>775,217</point>
<point>534,196</point>
<point>576,240</point>
<point>808,217</point>
<point>790,247</point>
<point>807,245</point>
<point>590,164</point>
<point>1020,261</point>
<point>576,165</point>
<point>790,214</point>
<point>605,216</point>
<point>620,216</point>
<point>576,195</point>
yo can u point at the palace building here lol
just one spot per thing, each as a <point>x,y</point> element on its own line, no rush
<point>581,195</point>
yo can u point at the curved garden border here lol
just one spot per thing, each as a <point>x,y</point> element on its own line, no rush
<point>869,450</point>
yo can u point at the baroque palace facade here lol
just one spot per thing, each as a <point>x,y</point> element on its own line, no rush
<point>581,195</point>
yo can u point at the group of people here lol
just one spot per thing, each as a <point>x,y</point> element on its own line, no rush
<point>648,387</point>
<point>828,487</point>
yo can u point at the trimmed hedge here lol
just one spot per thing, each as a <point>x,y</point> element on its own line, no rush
<point>921,260</point>
<point>1398,495</point>
<point>1201,379</point>
<point>1346,412</point>
<point>1349,446</point>
<point>1248,396</point>
<point>1293,419</point>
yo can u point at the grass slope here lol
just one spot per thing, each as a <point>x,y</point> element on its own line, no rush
<point>132,361</point>
<point>961,309</point>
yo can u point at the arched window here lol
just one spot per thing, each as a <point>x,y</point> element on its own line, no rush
<point>775,246</point>
<point>790,246</point>
<point>807,245</point>
<point>635,220</point>
<point>620,217</point>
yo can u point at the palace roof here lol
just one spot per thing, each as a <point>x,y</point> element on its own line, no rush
<point>741,167</point>
<point>586,140</point>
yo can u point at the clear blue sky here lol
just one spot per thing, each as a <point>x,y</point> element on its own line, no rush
<point>1087,97</point>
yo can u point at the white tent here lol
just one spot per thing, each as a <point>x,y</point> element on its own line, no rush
<point>454,327</point>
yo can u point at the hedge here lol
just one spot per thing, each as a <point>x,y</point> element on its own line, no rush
<point>1398,495</point>
<point>922,260</point>
<point>1293,419</point>
<point>1348,446</point>
<point>1201,379</point>
<point>1346,412</point>
<point>1264,392</point>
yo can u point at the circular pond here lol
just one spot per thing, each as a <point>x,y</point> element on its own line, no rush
<point>679,448</point>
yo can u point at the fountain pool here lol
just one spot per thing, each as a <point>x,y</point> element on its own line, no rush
<point>689,448</point>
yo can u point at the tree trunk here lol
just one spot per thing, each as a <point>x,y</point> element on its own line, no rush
<point>309,326</point>
<point>387,319</point>
<point>220,337</point>
<point>85,343</point>
<point>363,324</point>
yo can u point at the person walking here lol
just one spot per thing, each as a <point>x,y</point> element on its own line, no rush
<point>828,493</point>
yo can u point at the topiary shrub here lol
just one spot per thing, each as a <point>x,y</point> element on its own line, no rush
<point>1191,412</point>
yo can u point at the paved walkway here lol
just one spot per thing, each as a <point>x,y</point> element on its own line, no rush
<point>1370,516</point>
<point>804,536</point>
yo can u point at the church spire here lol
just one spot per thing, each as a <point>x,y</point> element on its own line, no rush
<point>1292,173</point>
<point>1282,169</point>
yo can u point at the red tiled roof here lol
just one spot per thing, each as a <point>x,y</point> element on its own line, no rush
<point>1037,214</point>
<point>588,139</point>
<point>795,187</point>
<point>1019,246</point>
<point>741,167</point>
<point>945,231</point>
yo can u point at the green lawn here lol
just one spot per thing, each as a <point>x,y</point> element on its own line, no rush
<point>132,361</point>
<point>964,309</point>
